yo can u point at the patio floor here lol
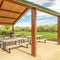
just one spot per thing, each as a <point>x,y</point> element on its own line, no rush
<point>45,51</point>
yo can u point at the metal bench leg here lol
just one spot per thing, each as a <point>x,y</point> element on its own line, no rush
<point>15,43</point>
<point>9,50</point>
<point>44,41</point>
<point>0,45</point>
<point>26,45</point>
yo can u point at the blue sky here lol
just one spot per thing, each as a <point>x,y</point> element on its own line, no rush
<point>42,18</point>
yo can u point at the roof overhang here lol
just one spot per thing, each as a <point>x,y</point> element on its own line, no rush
<point>10,12</point>
<point>29,4</point>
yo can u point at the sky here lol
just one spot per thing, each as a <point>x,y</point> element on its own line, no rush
<point>42,18</point>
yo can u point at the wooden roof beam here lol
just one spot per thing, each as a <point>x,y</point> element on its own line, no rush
<point>10,11</point>
<point>20,16</point>
<point>5,23</point>
<point>7,17</point>
<point>21,4</point>
<point>1,3</point>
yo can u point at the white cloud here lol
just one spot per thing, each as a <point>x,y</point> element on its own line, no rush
<point>56,6</point>
<point>41,2</point>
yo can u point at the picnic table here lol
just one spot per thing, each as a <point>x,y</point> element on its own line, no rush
<point>19,40</point>
<point>37,36</point>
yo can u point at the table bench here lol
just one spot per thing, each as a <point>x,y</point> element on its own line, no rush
<point>42,40</point>
<point>38,39</point>
<point>8,48</point>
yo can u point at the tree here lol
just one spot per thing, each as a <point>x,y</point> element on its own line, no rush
<point>47,28</point>
<point>5,30</point>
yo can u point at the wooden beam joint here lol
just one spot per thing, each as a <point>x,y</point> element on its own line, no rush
<point>20,16</point>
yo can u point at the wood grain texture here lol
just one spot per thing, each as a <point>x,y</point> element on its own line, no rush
<point>10,12</point>
<point>58,29</point>
<point>34,30</point>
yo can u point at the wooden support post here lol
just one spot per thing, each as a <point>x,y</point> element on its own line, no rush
<point>13,29</point>
<point>58,29</point>
<point>33,32</point>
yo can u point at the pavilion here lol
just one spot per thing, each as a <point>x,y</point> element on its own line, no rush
<point>11,11</point>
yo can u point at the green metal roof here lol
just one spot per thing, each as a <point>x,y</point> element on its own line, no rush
<point>37,6</point>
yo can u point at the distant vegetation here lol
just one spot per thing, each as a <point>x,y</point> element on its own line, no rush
<point>5,30</point>
<point>42,28</point>
<point>48,31</point>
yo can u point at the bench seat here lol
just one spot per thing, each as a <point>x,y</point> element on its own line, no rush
<point>16,46</point>
<point>42,40</point>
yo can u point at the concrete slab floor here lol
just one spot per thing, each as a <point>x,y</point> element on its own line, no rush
<point>45,51</point>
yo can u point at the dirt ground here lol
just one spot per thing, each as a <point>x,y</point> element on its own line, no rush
<point>45,51</point>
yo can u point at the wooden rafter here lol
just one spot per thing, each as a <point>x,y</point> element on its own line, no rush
<point>19,3</point>
<point>10,11</point>
<point>12,17</point>
<point>1,23</point>
<point>7,17</point>
<point>20,16</point>
<point>1,3</point>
